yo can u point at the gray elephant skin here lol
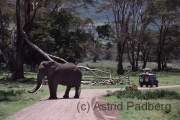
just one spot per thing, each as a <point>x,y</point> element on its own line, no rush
<point>66,74</point>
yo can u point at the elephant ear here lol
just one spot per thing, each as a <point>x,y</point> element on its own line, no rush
<point>52,70</point>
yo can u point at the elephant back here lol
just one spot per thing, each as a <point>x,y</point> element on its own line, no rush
<point>70,74</point>
<point>69,68</point>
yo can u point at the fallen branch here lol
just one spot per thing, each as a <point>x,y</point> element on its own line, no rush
<point>39,50</point>
<point>34,46</point>
<point>48,56</point>
<point>57,58</point>
<point>89,70</point>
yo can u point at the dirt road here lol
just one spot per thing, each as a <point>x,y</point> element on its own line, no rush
<point>73,109</point>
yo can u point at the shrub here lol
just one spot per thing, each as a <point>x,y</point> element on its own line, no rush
<point>10,93</point>
<point>147,95</point>
<point>108,55</point>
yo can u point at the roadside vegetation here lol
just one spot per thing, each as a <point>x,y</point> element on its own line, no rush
<point>14,95</point>
<point>147,105</point>
<point>131,33</point>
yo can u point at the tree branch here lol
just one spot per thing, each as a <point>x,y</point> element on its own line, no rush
<point>47,56</point>
<point>34,46</point>
<point>6,60</point>
<point>57,58</point>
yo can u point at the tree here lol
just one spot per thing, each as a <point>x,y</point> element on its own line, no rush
<point>30,12</point>
<point>165,14</point>
<point>173,48</point>
<point>69,37</point>
<point>137,26</point>
<point>24,21</point>
<point>140,36</point>
<point>171,45</point>
<point>7,16</point>
<point>41,37</point>
<point>147,45</point>
<point>122,13</point>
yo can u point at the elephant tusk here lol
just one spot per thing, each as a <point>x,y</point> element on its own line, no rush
<point>35,89</point>
<point>38,86</point>
<point>38,89</point>
<point>31,91</point>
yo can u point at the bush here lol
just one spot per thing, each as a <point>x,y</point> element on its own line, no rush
<point>146,95</point>
<point>10,93</point>
<point>108,55</point>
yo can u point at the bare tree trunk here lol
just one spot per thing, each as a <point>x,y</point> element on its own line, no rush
<point>19,57</point>
<point>120,69</point>
<point>159,60</point>
<point>8,57</point>
<point>137,57</point>
<point>159,52</point>
<point>131,56</point>
<point>2,38</point>
<point>145,56</point>
<point>20,43</point>
<point>144,64</point>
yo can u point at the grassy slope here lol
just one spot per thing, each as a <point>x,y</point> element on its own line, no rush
<point>134,113</point>
<point>165,78</point>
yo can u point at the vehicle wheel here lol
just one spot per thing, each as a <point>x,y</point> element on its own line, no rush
<point>157,85</point>
<point>146,85</point>
<point>151,84</point>
<point>141,85</point>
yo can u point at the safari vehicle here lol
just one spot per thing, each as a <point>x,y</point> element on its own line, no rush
<point>148,79</point>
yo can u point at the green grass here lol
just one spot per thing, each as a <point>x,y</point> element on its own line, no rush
<point>146,95</point>
<point>16,95</point>
<point>165,78</point>
<point>19,98</point>
<point>136,109</point>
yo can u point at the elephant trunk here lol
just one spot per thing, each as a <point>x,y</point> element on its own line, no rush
<point>40,79</point>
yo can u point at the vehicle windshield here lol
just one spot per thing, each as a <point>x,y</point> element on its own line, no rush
<point>145,76</point>
<point>152,76</point>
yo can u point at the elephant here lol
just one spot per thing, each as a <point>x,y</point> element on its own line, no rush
<point>67,74</point>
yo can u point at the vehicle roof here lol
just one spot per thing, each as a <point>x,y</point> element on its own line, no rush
<point>146,74</point>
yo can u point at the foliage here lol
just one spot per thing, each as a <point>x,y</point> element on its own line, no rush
<point>148,27</point>
<point>68,37</point>
<point>42,39</point>
<point>7,95</point>
<point>105,31</point>
<point>164,14</point>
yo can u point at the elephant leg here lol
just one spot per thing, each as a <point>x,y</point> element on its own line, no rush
<point>77,92</point>
<point>52,90</point>
<point>66,95</point>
